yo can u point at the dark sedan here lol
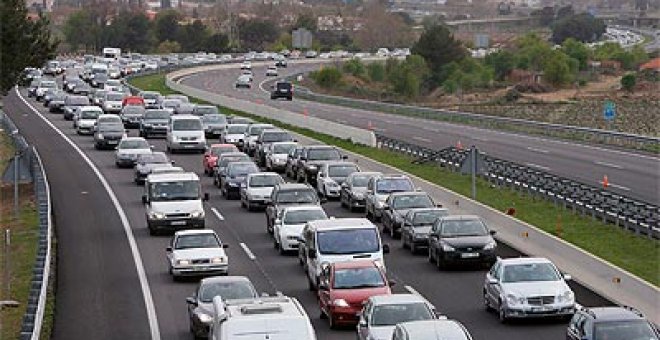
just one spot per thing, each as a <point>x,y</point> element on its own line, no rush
<point>234,178</point>
<point>417,225</point>
<point>154,122</point>
<point>461,239</point>
<point>397,206</point>
<point>147,162</point>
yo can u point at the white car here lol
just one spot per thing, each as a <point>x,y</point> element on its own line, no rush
<point>195,253</point>
<point>112,102</point>
<point>244,80</point>
<point>256,190</point>
<point>113,85</point>
<point>233,133</point>
<point>332,175</point>
<point>382,313</point>
<point>85,118</point>
<point>170,105</point>
<point>246,65</point>
<point>277,155</point>
<point>288,227</point>
<point>128,150</point>
<point>43,86</point>
<point>527,288</point>
<point>271,71</point>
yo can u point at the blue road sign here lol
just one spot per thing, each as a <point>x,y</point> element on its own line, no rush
<point>609,111</point>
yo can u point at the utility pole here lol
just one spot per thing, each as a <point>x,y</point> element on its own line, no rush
<point>473,161</point>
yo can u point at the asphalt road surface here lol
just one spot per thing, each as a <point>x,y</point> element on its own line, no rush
<point>98,295</point>
<point>631,174</point>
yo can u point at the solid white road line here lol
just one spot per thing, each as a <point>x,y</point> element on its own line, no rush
<point>537,150</point>
<point>247,251</point>
<point>218,214</point>
<point>610,165</point>
<point>538,166</point>
<point>261,84</point>
<point>137,259</point>
<point>422,139</point>
<point>609,184</point>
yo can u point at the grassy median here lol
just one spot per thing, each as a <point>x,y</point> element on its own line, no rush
<point>638,255</point>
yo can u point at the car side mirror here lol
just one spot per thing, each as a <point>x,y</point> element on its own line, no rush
<point>225,246</point>
<point>344,157</point>
<point>391,282</point>
<point>386,248</point>
<point>311,253</point>
<point>144,199</point>
<point>386,206</point>
<point>278,221</point>
<point>191,301</point>
<point>321,174</point>
<point>323,286</point>
<point>492,232</point>
<point>493,281</point>
<point>206,196</point>
<point>172,162</point>
<point>567,277</point>
<point>168,249</point>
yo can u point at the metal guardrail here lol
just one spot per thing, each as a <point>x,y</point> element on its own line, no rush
<point>631,214</point>
<point>569,132</point>
<point>36,303</point>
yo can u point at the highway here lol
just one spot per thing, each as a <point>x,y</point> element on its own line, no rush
<point>98,293</point>
<point>631,174</point>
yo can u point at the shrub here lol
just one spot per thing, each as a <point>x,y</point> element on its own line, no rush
<point>355,67</point>
<point>327,77</point>
<point>376,71</point>
<point>628,82</point>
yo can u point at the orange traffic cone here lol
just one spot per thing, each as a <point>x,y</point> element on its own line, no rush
<point>606,183</point>
<point>459,145</point>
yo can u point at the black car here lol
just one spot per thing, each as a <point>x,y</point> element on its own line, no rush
<point>610,323</point>
<point>234,177</point>
<point>310,160</point>
<point>282,89</point>
<point>146,162</point>
<point>461,239</point>
<point>154,122</point>
<point>288,194</point>
<point>56,102</point>
<point>222,163</point>
<point>131,115</point>
<point>70,104</point>
<point>107,136</point>
<point>417,225</point>
<point>398,205</point>
<point>266,139</point>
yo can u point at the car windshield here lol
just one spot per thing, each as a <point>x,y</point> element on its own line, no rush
<point>428,217</point>
<point>352,278</point>
<point>186,125</point>
<point>156,115</point>
<point>323,154</point>
<point>171,103</point>
<point>241,170</point>
<point>218,150</point>
<point>110,127</point>
<point>226,290</point>
<point>624,330</point>
<point>256,130</point>
<point>304,216</point>
<point>197,241</point>
<point>348,241</point>
<point>99,94</point>
<point>283,148</point>
<point>150,96</point>
<point>91,114</point>
<point>115,97</point>
<point>153,158</point>
<point>269,137</point>
<point>341,170</point>
<point>214,118</point>
<point>226,160</point>
<point>529,272</point>
<point>283,86</point>
<point>360,181</point>
<point>236,129</point>
<point>392,314</point>
<point>263,181</point>
<point>133,144</point>
<point>462,228</point>
<point>411,202</point>
<point>175,191</point>
<point>133,110</point>
<point>78,100</point>
<point>205,110</point>
<point>297,196</point>
<point>393,185</point>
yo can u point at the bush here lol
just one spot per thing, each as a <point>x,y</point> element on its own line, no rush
<point>628,82</point>
<point>327,77</point>
<point>512,95</point>
<point>355,67</point>
<point>376,71</point>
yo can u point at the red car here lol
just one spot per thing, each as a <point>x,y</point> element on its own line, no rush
<point>132,100</point>
<point>345,286</point>
<point>211,156</point>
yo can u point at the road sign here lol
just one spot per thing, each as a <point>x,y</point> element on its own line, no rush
<point>609,111</point>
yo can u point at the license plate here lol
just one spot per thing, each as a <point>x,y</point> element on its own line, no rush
<point>469,255</point>
<point>284,91</point>
<point>540,309</point>
<point>113,142</point>
<point>199,269</point>
<point>178,223</point>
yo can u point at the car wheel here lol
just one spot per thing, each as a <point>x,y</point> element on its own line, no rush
<point>430,255</point>
<point>152,231</point>
<point>332,322</point>
<point>501,313</point>
<point>439,262</point>
<point>280,249</point>
<point>404,245</point>
<point>322,315</point>
<point>413,248</point>
<point>393,233</point>
<point>310,285</point>
<point>487,305</point>
<point>248,206</point>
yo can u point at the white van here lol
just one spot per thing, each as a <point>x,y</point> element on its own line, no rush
<point>173,201</point>
<point>339,240</point>
<point>273,318</point>
<point>185,132</point>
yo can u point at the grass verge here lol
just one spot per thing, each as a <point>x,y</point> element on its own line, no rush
<point>638,255</point>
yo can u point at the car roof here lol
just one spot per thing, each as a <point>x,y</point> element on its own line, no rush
<point>90,108</point>
<point>264,173</point>
<point>461,218</point>
<point>397,299</point>
<point>524,260</point>
<point>233,278</point>
<point>434,329</point>
<point>614,313</point>
<point>233,154</point>
<point>220,145</point>
<point>342,223</point>
<point>182,117</point>
<point>302,207</point>
<point>330,163</point>
<point>293,186</point>
<point>409,193</point>
<point>418,210</point>
<point>194,232</point>
<point>354,264</point>
<point>169,177</point>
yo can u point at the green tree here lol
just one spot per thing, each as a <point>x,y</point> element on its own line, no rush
<point>139,33</point>
<point>407,77</point>
<point>355,67</point>
<point>306,20</point>
<point>577,51</point>
<point>167,47</point>
<point>257,34</point>
<point>467,74</point>
<point>628,82</point>
<point>24,43</point>
<point>193,37</point>
<point>502,62</point>
<point>438,47</point>
<point>582,27</point>
<point>167,25</point>
<point>327,77</point>
<point>532,51</point>
<point>376,71</point>
<point>80,30</point>
<point>216,43</point>
<point>557,69</point>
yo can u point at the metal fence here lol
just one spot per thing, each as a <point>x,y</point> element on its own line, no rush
<point>36,302</point>
<point>599,203</point>
<point>569,132</point>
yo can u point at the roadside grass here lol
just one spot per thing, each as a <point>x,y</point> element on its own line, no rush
<point>636,254</point>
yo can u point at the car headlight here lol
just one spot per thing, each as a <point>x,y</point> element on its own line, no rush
<point>233,184</point>
<point>331,184</point>
<point>100,136</point>
<point>567,297</point>
<point>379,204</point>
<point>490,246</point>
<point>311,167</point>
<point>197,214</point>
<point>446,247</point>
<point>420,236</point>
<point>183,262</point>
<point>146,124</point>
<point>156,215</point>
<point>204,318</point>
<point>217,260</point>
<point>340,303</point>
<point>513,300</point>
<point>358,195</point>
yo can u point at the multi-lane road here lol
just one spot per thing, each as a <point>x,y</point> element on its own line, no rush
<point>631,174</point>
<point>100,290</point>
